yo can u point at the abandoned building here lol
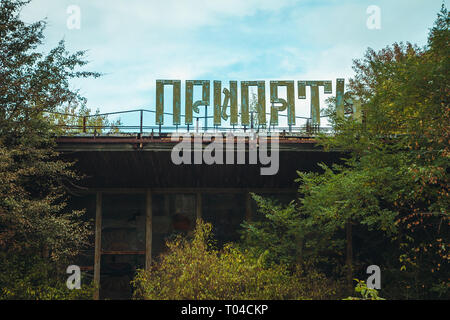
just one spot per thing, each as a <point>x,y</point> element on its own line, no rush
<point>139,198</point>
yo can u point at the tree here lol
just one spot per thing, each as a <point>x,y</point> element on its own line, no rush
<point>403,144</point>
<point>278,235</point>
<point>392,193</point>
<point>80,119</point>
<point>33,219</point>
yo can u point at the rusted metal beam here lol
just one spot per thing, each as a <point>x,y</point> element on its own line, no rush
<point>156,140</point>
<point>137,252</point>
<point>192,190</point>
<point>148,229</point>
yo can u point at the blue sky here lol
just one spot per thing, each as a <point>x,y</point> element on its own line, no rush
<point>135,42</point>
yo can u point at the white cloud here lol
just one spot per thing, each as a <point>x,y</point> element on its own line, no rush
<point>136,42</point>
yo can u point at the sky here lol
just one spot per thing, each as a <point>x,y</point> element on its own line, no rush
<point>135,42</point>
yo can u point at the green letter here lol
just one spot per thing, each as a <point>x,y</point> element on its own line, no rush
<point>220,110</point>
<point>160,100</point>
<point>289,104</point>
<point>315,102</point>
<point>261,101</point>
<point>190,105</point>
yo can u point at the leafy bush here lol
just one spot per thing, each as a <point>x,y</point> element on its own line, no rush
<point>36,278</point>
<point>192,269</point>
<point>366,293</point>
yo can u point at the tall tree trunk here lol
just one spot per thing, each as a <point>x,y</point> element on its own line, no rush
<point>349,257</point>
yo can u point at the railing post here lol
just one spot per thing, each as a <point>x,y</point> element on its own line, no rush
<point>148,230</point>
<point>142,119</point>
<point>98,244</point>
<point>206,118</point>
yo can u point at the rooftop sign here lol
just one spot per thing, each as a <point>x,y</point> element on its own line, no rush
<point>226,101</point>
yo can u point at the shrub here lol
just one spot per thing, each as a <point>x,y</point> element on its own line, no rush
<point>365,292</point>
<point>35,278</point>
<point>193,270</point>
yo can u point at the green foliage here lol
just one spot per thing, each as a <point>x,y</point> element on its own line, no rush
<point>393,187</point>
<point>365,292</point>
<point>76,119</point>
<point>32,179</point>
<point>34,221</point>
<point>192,269</point>
<point>396,178</point>
<point>31,81</point>
<point>34,278</point>
<point>32,215</point>
<point>403,148</point>
<point>278,235</point>
<point>361,201</point>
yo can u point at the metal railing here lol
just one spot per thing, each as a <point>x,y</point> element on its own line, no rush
<point>84,124</point>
